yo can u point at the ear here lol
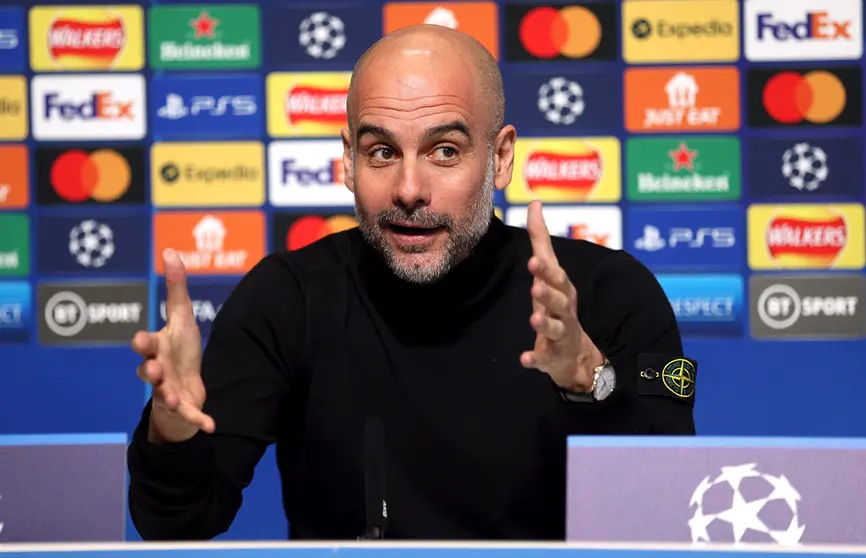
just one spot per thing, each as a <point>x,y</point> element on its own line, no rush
<point>503,156</point>
<point>348,167</point>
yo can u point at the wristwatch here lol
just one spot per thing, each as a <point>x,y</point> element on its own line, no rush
<point>603,384</point>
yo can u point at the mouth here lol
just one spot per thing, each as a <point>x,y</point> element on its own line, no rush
<point>408,233</point>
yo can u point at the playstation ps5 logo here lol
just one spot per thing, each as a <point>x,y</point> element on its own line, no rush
<point>714,237</point>
<point>176,108</point>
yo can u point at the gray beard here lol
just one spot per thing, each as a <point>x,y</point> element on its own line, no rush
<point>463,235</point>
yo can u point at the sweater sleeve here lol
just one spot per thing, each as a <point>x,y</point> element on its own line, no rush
<point>629,318</point>
<point>193,489</point>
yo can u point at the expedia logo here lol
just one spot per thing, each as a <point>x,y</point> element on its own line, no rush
<point>819,240</point>
<point>305,103</point>
<point>643,28</point>
<point>545,169</point>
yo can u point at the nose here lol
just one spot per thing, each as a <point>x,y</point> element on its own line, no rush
<point>411,191</point>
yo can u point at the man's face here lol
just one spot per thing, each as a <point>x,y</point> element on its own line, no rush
<point>422,169</point>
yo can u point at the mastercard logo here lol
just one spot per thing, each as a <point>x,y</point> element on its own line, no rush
<point>817,97</point>
<point>310,228</point>
<point>103,175</point>
<point>571,31</point>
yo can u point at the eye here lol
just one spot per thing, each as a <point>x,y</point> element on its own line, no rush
<point>446,152</point>
<point>382,154</point>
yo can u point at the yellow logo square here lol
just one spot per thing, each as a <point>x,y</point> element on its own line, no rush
<point>13,108</point>
<point>566,170</point>
<point>309,104</point>
<point>677,31</point>
<point>86,38</point>
<point>806,236</point>
<point>214,174</point>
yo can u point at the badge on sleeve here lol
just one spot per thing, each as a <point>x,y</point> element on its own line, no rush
<point>668,376</point>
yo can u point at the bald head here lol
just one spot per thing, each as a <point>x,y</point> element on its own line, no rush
<point>436,51</point>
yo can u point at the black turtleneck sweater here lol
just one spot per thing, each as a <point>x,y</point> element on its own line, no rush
<point>314,341</point>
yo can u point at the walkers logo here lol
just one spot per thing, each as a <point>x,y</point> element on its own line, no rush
<point>806,236</point>
<point>16,301</point>
<point>685,99</point>
<point>566,170</point>
<point>208,174</point>
<point>207,300</point>
<point>202,107</point>
<point>204,37</point>
<point>561,32</point>
<point>706,304</point>
<point>215,243</point>
<point>13,55</point>
<point>94,244</point>
<point>477,19</point>
<point>304,173</point>
<point>92,175</point>
<point>698,239</point>
<point>803,30</point>
<point>14,245</point>
<point>14,177</point>
<point>671,31</point>
<point>307,104</point>
<point>807,307</point>
<point>88,107</point>
<point>567,102</point>
<point>804,97</point>
<point>331,37</point>
<point>600,225</point>
<point>808,167</point>
<point>91,313</point>
<point>13,108</point>
<point>291,231</point>
<point>683,169</point>
<point>73,38</point>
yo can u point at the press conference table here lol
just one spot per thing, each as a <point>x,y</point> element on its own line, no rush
<point>418,550</point>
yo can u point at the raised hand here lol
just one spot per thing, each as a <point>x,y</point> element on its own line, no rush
<point>172,364</point>
<point>562,348</point>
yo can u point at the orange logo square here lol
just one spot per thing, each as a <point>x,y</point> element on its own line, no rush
<point>14,177</point>
<point>685,99</point>
<point>479,19</point>
<point>210,243</point>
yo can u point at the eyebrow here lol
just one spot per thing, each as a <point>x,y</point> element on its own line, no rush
<point>455,126</point>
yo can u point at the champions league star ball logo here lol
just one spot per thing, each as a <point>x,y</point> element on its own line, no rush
<point>322,35</point>
<point>805,167</point>
<point>746,505</point>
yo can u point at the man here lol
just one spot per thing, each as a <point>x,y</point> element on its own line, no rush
<point>481,347</point>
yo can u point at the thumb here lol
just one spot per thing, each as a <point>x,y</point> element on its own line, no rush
<point>177,303</point>
<point>538,233</point>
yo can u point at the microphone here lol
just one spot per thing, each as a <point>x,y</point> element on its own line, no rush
<point>376,508</point>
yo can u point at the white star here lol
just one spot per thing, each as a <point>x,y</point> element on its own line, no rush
<point>698,526</point>
<point>698,495</point>
<point>791,536</point>
<point>782,489</point>
<point>733,475</point>
<point>744,516</point>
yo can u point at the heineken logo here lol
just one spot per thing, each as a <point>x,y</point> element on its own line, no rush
<point>205,37</point>
<point>697,169</point>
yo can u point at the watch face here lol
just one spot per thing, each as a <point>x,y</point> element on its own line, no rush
<point>606,382</point>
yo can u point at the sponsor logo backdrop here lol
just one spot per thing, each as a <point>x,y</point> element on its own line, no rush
<point>720,142</point>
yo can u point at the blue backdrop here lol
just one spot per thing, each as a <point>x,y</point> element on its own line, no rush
<point>812,384</point>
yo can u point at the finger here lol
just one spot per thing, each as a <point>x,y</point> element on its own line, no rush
<point>178,306</point>
<point>195,417</point>
<point>555,302</point>
<point>551,273</point>
<point>538,233</point>
<point>552,328</point>
<point>145,344</point>
<point>151,372</point>
<point>532,359</point>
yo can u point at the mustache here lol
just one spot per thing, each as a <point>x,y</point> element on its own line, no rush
<point>420,217</point>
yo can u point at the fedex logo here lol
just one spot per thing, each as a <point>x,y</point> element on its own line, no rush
<point>100,106</point>
<point>307,172</point>
<point>815,25</point>
<point>802,30</point>
<point>88,107</point>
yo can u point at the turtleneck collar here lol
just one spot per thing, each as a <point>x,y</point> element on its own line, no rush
<point>466,287</point>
